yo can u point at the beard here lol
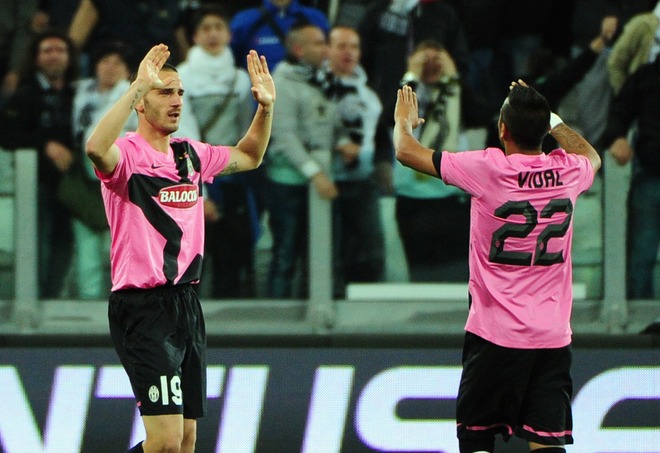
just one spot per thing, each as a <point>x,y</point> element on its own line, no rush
<point>160,120</point>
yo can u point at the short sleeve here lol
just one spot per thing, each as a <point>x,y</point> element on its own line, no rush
<point>124,166</point>
<point>466,170</point>
<point>213,159</point>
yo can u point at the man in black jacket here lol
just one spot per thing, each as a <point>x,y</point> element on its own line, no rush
<point>639,100</point>
<point>38,115</point>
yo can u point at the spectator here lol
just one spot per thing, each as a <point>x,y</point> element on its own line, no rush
<point>94,96</point>
<point>482,23</point>
<point>591,96</point>
<point>221,101</point>
<point>232,8</point>
<point>264,29</point>
<point>390,31</point>
<point>433,218</point>
<point>588,16</point>
<point>357,233</point>
<point>56,14</point>
<point>556,79</point>
<point>587,107</point>
<point>143,23</point>
<point>306,123</point>
<point>639,101</point>
<point>590,99</point>
<point>523,27</point>
<point>638,44</point>
<point>15,35</point>
<point>38,115</point>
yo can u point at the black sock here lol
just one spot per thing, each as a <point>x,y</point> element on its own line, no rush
<point>477,445</point>
<point>136,449</point>
<point>550,450</point>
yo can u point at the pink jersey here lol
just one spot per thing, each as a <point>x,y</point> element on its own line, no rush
<point>520,242</point>
<point>155,210</point>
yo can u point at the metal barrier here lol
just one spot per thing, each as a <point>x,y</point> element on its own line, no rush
<point>26,311</point>
<point>616,184</point>
<point>320,312</point>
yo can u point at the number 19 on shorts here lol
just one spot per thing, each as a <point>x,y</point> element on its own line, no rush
<point>168,391</point>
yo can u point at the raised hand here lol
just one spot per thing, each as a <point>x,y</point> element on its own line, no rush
<point>263,88</point>
<point>151,65</point>
<point>520,82</point>
<point>407,108</point>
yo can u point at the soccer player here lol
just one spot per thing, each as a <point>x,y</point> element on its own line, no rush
<point>151,187</point>
<point>517,352</point>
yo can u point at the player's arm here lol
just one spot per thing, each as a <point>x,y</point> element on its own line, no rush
<point>407,148</point>
<point>567,138</point>
<point>249,152</point>
<point>573,142</point>
<point>100,147</point>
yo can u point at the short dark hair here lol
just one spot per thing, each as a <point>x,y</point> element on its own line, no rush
<point>204,10</point>
<point>29,68</point>
<point>172,68</point>
<point>293,36</point>
<point>526,114</point>
<point>115,47</point>
<point>194,17</point>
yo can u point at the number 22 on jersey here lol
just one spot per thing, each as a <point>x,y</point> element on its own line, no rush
<point>538,254</point>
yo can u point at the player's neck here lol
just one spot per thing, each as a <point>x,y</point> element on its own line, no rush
<point>158,140</point>
<point>508,150</point>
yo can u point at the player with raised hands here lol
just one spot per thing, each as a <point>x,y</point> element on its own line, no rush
<point>517,353</point>
<point>151,185</point>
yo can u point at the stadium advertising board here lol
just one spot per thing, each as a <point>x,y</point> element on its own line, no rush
<point>309,400</point>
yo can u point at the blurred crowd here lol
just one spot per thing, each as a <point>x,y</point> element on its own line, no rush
<point>337,67</point>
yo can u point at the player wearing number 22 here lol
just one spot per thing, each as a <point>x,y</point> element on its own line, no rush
<point>151,186</point>
<point>517,352</point>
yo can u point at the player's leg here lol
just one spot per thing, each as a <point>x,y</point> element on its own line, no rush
<point>490,394</point>
<point>144,328</point>
<point>189,435</point>
<point>546,420</point>
<point>468,400</point>
<point>193,369</point>
<point>164,433</point>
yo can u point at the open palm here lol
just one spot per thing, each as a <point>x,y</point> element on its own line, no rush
<point>263,88</point>
<point>151,65</point>
<point>406,107</point>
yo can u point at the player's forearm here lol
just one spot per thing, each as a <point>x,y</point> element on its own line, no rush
<point>409,151</point>
<point>574,143</point>
<point>404,141</point>
<point>111,125</point>
<point>256,139</point>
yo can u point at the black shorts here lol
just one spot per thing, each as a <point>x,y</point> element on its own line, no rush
<point>160,338</point>
<point>526,392</point>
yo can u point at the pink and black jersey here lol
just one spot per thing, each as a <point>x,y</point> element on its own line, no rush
<point>155,210</point>
<point>520,242</point>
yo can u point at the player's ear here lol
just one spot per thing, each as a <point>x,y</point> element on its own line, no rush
<point>139,107</point>
<point>503,131</point>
